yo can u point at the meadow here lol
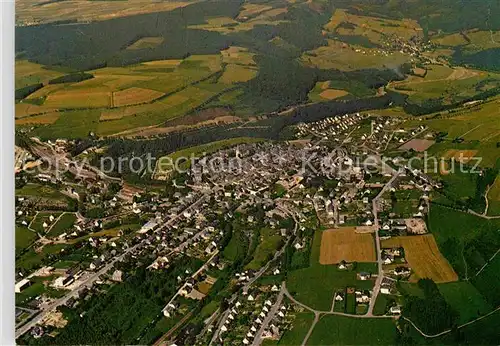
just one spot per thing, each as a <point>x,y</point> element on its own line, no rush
<point>315,285</point>
<point>298,330</point>
<point>24,238</point>
<point>467,241</point>
<point>340,330</point>
<point>466,299</point>
<point>269,243</point>
<point>494,198</point>
<point>63,225</point>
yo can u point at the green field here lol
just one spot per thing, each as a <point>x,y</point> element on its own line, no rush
<point>24,238</point>
<point>268,245</point>
<point>40,218</point>
<point>31,259</point>
<point>488,282</point>
<point>298,331</point>
<point>64,224</point>
<point>315,285</point>
<point>340,330</point>
<point>467,241</point>
<point>494,198</point>
<point>37,190</point>
<point>466,299</point>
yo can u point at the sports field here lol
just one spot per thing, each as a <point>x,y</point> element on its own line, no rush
<point>345,244</point>
<point>424,257</point>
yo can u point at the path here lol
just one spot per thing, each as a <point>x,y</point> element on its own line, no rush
<point>161,341</point>
<point>449,330</point>
<point>487,262</point>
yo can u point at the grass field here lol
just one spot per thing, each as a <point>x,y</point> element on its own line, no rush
<point>133,96</point>
<point>449,86</point>
<point>146,42</point>
<point>315,285</point>
<point>345,244</point>
<point>340,330</point>
<point>41,217</point>
<point>64,224</point>
<point>29,73</point>
<point>236,74</point>
<point>24,238</point>
<point>322,92</point>
<point>424,257</point>
<point>37,190</point>
<point>298,331</point>
<point>466,299</point>
<point>78,99</point>
<point>339,55</point>
<point>32,259</point>
<point>494,198</point>
<point>466,240</point>
<point>269,243</point>
<point>488,282</point>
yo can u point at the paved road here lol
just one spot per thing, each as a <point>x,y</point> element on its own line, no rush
<point>376,225</point>
<point>270,315</point>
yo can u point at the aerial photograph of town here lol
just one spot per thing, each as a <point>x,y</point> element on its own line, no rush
<point>257,172</point>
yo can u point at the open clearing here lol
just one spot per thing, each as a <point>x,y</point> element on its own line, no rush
<point>146,42</point>
<point>341,330</point>
<point>345,244</point>
<point>494,198</point>
<point>460,155</point>
<point>133,96</point>
<point>417,145</point>
<point>424,257</point>
<point>78,99</point>
<point>331,94</point>
<point>29,73</point>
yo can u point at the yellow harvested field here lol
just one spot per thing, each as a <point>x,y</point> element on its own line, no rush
<point>46,90</point>
<point>345,244</point>
<point>133,96</point>
<point>460,155</point>
<point>237,55</point>
<point>237,73</point>
<point>146,42</point>
<point>25,109</point>
<point>252,9</point>
<point>450,40</point>
<point>331,94</point>
<point>78,99</point>
<point>42,11</point>
<point>168,63</point>
<point>424,257</point>
<point>339,16</point>
<point>44,119</point>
